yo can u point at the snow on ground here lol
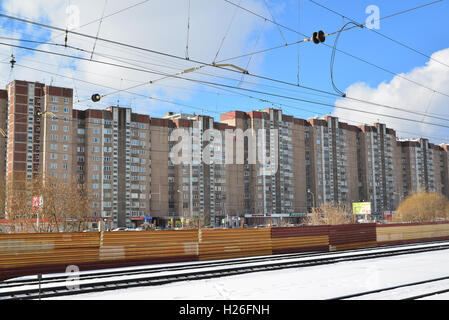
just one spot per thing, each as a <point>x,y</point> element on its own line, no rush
<point>319,282</point>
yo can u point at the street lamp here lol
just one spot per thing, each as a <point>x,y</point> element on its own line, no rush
<point>313,197</point>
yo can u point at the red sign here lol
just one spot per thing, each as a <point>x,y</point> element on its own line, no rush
<point>36,203</point>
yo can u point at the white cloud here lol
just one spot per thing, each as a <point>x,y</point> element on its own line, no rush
<point>406,95</point>
<point>159,25</point>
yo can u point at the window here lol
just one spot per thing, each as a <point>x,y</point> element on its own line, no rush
<point>66,110</point>
<point>96,131</point>
<point>54,127</point>
<point>54,99</point>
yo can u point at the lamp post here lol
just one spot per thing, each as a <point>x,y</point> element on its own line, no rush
<point>313,197</point>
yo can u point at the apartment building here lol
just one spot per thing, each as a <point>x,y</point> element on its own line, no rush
<point>3,126</point>
<point>274,179</point>
<point>200,184</point>
<point>333,161</point>
<point>260,163</point>
<point>113,161</point>
<point>379,167</point>
<point>424,166</point>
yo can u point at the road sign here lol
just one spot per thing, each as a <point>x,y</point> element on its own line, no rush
<point>37,203</point>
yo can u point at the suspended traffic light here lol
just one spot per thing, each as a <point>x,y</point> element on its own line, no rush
<point>96,97</point>
<point>13,61</point>
<point>318,37</point>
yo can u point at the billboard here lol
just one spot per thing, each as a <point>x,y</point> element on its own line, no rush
<point>361,207</point>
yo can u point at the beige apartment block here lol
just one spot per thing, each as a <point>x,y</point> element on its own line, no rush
<point>256,164</point>
<point>283,191</point>
<point>424,166</point>
<point>378,163</point>
<point>201,185</point>
<point>333,161</point>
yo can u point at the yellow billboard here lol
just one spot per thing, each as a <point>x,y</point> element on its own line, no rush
<point>361,208</point>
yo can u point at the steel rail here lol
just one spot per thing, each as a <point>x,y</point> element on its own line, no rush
<point>64,290</point>
<point>193,265</point>
<point>406,285</point>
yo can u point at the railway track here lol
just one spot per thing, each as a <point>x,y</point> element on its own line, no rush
<point>88,282</point>
<point>409,291</point>
<point>27,280</point>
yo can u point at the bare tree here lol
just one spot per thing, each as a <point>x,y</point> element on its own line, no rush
<point>64,206</point>
<point>330,214</point>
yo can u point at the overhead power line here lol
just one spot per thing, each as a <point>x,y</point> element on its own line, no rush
<point>385,36</point>
<point>165,75</point>
<point>245,89</point>
<point>283,105</point>
<point>99,27</point>
<point>339,50</point>
<point>152,51</point>
<point>215,65</point>
<point>105,17</point>
<point>211,111</point>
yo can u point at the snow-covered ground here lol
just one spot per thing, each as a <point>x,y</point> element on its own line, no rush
<point>319,282</point>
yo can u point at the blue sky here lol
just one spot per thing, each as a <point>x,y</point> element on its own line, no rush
<point>424,29</point>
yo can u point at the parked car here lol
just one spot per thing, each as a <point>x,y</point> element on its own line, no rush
<point>120,229</point>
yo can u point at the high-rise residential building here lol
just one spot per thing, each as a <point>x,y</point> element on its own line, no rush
<point>4,129</point>
<point>258,164</point>
<point>278,145</point>
<point>113,160</point>
<point>379,167</point>
<point>423,166</point>
<point>201,185</point>
<point>333,161</point>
